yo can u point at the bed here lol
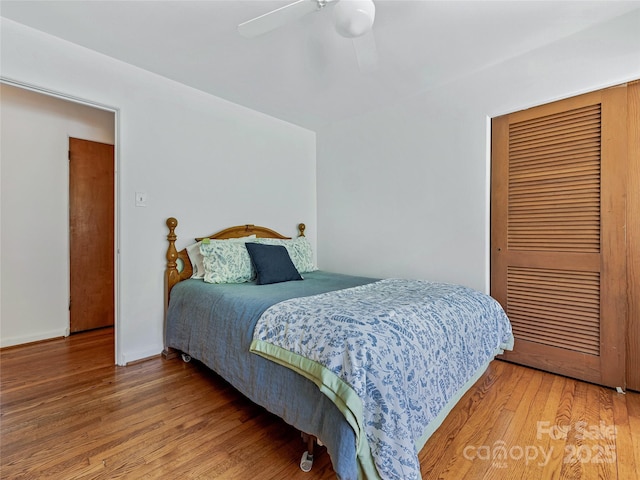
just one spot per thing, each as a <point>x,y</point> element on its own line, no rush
<point>383,363</point>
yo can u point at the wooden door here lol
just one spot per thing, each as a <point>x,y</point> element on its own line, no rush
<point>558,234</point>
<point>91,232</point>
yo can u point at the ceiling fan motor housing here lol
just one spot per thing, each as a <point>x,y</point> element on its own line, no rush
<point>353,18</point>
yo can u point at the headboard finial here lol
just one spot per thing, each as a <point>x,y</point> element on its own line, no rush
<point>301,228</point>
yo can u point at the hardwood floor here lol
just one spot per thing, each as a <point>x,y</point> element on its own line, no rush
<point>67,412</point>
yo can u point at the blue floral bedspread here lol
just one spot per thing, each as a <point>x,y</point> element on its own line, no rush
<point>392,355</point>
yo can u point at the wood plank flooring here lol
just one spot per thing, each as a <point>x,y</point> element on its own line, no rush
<point>66,412</point>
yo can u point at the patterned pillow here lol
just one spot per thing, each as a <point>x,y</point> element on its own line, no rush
<point>226,262</point>
<point>299,250</point>
<point>197,260</point>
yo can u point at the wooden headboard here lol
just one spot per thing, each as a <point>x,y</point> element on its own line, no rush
<point>173,274</point>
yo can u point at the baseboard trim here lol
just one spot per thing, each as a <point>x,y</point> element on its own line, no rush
<point>36,338</point>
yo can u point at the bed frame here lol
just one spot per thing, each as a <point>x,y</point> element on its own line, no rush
<point>179,266</point>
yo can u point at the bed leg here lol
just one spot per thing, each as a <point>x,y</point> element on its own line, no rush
<point>169,353</point>
<point>311,445</point>
<point>306,462</point>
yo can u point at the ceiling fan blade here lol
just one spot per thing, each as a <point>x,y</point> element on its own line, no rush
<point>277,18</point>
<point>366,52</point>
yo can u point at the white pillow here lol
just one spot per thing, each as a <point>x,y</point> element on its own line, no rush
<point>299,250</point>
<point>193,251</point>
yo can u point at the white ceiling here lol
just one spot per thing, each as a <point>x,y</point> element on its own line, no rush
<point>305,73</point>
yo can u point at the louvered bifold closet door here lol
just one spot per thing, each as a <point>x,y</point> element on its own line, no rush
<point>557,234</point>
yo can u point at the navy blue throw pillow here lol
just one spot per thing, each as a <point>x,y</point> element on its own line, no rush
<point>272,263</point>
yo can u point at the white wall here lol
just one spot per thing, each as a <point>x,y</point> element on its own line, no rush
<point>35,131</point>
<point>199,158</point>
<point>404,192</point>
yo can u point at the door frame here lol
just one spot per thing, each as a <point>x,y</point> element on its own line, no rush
<point>119,357</point>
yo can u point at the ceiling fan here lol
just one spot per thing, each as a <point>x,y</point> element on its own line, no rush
<point>351,18</point>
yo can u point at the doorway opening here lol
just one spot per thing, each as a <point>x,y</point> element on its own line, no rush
<point>39,127</point>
